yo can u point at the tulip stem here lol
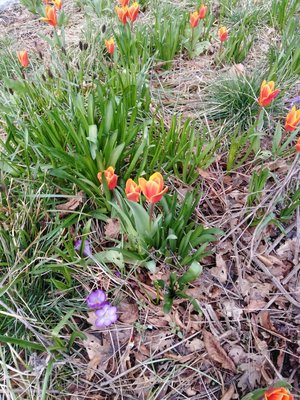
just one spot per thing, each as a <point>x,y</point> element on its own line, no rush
<point>151,213</point>
<point>258,115</point>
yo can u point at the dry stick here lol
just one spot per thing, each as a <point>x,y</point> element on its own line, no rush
<point>276,282</point>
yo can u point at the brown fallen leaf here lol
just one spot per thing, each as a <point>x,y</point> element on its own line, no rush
<point>128,312</point>
<point>216,352</point>
<point>220,271</point>
<point>265,320</point>
<point>99,353</point>
<point>70,205</point>
<point>112,228</point>
<point>228,395</point>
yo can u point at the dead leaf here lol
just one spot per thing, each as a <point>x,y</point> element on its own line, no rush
<point>237,354</point>
<point>70,205</point>
<point>265,320</point>
<point>99,353</point>
<point>216,351</point>
<point>195,345</point>
<point>112,228</point>
<point>220,271</point>
<point>128,312</point>
<point>228,395</point>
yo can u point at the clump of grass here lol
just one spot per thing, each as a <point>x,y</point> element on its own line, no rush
<point>233,99</point>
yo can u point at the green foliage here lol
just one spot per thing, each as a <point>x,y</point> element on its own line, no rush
<point>233,98</point>
<point>181,149</point>
<point>168,29</point>
<point>176,287</point>
<point>283,11</point>
<point>238,45</point>
<point>256,186</point>
<point>171,232</point>
<point>284,58</point>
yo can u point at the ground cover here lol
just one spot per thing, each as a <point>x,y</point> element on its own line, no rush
<point>149,215</point>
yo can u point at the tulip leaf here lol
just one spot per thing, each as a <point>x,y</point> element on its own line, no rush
<point>92,138</point>
<point>191,274</point>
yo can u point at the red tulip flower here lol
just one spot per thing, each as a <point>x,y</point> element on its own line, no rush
<point>122,13</point>
<point>278,394</point>
<point>153,189</point>
<point>132,190</point>
<point>133,11</point>
<point>267,93</point>
<point>297,147</point>
<point>194,19</point>
<point>110,45</point>
<point>51,16</point>
<point>23,58</point>
<point>202,11</point>
<point>223,34</point>
<point>110,176</point>
<point>124,3</point>
<point>292,119</point>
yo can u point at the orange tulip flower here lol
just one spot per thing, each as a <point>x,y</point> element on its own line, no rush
<point>297,147</point>
<point>133,11</point>
<point>202,11</point>
<point>153,189</point>
<point>58,4</point>
<point>110,176</point>
<point>278,394</point>
<point>122,14</point>
<point>132,190</point>
<point>124,2</point>
<point>110,45</point>
<point>23,58</point>
<point>223,33</point>
<point>51,16</point>
<point>292,119</point>
<point>194,19</point>
<point>267,93</point>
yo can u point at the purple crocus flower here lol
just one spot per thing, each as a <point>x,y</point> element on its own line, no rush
<point>87,252</point>
<point>292,102</point>
<point>96,299</point>
<point>106,316</point>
